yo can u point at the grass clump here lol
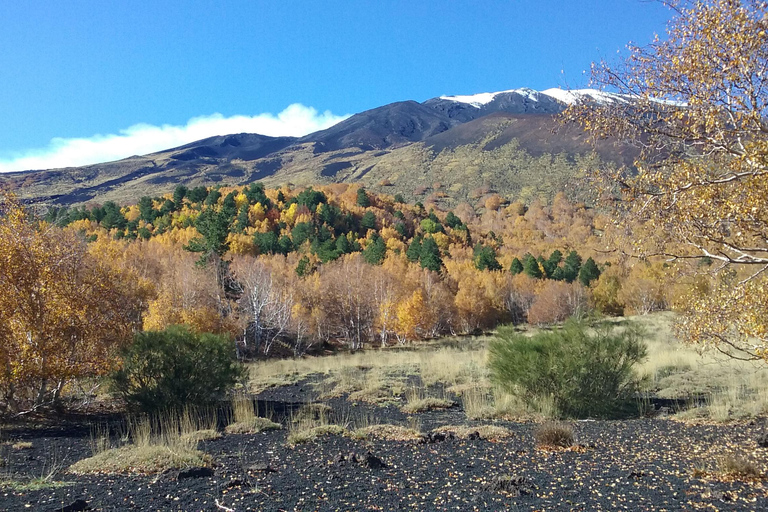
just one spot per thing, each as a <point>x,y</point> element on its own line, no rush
<point>21,445</point>
<point>584,370</point>
<point>311,422</point>
<point>554,434</point>
<point>158,444</point>
<point>245,421</point>
<point>305,434</point>
<point>738,467</point>
<point>387,433</point>
<point>418,402</point>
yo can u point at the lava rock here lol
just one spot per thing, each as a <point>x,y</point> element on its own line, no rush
<point>438,437</point>
<point>200,472</point>
<point>75,506</point>
<point>762,440</point>
<point>514,485</point>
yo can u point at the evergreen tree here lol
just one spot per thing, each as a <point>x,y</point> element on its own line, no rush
<point>113,217</point>
<point>284,245</point>
<point>311,198</point>
<point>147,212</point>
<point>280,197</point>
<point>362,198</point>
<point>342,245</point>
<point>242,219</point>
<point>367,222</point>
<point>213,197</point>
<point>413,253</point>
<point>588,272</point>
<point>399,198</point>
<point>304,268</point>
<point>301,232</point>
<point>551,265</point>
<point>255,194</point>
<point>485,258</point>
<point>430,255</point>
<point>531,267</point>
<point>516,267</point>
<point>571,266</point>
<point>266,243</point>
<point>178,195</point>
<point>167,207</point>
<point>197,194</point>
<point>376,251</point>
<point>452,221</point>
<point>214,228</point>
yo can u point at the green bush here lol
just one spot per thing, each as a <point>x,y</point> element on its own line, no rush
<point>176,368</point>
<point>584,370</point>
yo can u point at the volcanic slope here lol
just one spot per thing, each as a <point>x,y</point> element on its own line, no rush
<point>446,149</point>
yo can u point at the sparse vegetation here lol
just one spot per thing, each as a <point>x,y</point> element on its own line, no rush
<point>554,434</point>
<point>156,444</point>
<point>585,370</point>
<point>245,421</point>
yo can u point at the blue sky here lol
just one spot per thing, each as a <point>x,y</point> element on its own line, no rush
<point>100,79</point>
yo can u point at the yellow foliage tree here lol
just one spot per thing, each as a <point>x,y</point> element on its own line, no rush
<point>698,109</point>
<point>62,313</point>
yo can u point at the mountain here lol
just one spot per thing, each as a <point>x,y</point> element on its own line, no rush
<point>508,142</point>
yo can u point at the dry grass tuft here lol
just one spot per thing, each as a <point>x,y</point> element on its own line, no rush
<point>245,421</point>
<point>554,434</point>
<point>22,445</point>
<point>252,426</point>
<point>738,467</point>
<point>310,434</point>
<point>426,404</point>
<point>159,444</point>
<point>387,433</point>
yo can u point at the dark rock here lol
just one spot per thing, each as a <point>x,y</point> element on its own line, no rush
<point>238,482</point>
<point>371,461</point>
<point>263,467</point>
<point>762,440</point>
<point>75,506</point>
<point>473,435</point>
<point>195,473</point>
<point>438,437</point>
<point>515,485</point>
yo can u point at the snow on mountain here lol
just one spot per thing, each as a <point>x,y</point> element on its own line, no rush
<point>478,100</point>
<point>568,97</point>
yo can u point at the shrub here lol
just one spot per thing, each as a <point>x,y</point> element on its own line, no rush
<point>175,368</point>
<point>554,433</point>
<point>557,301</point>
<point>585,371</point>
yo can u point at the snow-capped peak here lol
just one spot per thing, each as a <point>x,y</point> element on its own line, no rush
<point>568,97</point>
<point>478,100</point>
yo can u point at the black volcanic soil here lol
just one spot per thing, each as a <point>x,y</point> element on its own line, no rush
<point>642,464</point>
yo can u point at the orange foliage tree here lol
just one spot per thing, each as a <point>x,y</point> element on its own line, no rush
<point>62,313</point>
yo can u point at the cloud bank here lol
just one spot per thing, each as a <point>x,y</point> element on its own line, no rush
<point>140,139</point>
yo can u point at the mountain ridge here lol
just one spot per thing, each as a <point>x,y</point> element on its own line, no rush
<point>400,143</point>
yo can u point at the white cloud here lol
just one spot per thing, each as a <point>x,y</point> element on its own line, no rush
<point>140,139</point>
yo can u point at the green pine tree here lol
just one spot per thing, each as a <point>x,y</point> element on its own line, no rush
<point>430,255</point>
<point>588,272</point>
<point>516,267</point>
<point>376,251</point>
<point>531,267</point>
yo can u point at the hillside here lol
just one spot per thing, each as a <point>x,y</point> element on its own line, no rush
<point>452,146</point>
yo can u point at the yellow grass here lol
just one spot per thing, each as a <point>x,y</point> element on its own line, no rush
<point>158,444</point>
<point>732,389</point>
